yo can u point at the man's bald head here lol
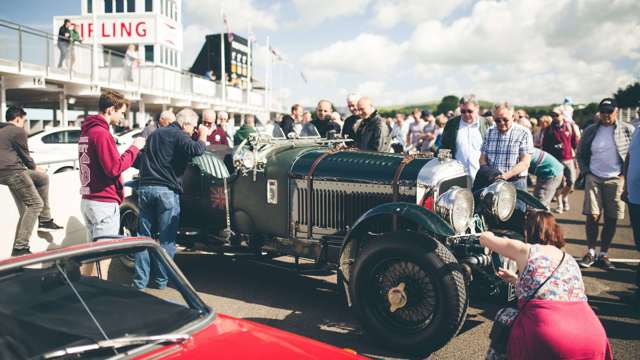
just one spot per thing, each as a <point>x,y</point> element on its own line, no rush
<point>324,109</point>
<point>365,107</point>
<point>208,117</point>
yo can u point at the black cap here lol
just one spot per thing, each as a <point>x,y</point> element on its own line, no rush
<point>607,105</point>
<point>425,114</point>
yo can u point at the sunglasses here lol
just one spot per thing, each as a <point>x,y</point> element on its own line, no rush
<point>466,111</point>
<point>499,120</point>
<point>206,123</point>
<point>553,114</point>
<point>606,112</point>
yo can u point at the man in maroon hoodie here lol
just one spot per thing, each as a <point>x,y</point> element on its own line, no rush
<point>101,166</point>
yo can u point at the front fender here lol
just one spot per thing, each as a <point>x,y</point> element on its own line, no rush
<point>429,222</point>
<point>530,200</point>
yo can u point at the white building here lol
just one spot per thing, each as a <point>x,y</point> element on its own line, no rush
<point>154,26</point>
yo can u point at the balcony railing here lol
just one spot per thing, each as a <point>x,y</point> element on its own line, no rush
<point>33,52</point>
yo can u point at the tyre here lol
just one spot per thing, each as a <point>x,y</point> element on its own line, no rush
<point>408,296</point>
<point>129,215</point>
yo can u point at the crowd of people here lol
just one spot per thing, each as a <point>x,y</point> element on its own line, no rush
<point>501,144</point>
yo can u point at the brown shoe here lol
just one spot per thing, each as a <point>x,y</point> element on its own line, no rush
<point>605,263</point>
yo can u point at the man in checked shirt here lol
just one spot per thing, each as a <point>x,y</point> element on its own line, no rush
<point>507,147</point>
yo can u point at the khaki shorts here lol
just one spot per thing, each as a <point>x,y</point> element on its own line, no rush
<point>570,173</point>
<point>602,196</point>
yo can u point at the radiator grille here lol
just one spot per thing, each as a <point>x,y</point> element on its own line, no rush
<point>335,209</point>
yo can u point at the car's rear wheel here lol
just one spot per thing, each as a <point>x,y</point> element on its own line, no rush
<point>129,215</point>
<point>410,297</point>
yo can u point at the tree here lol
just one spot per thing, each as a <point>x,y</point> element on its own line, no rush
<point>584,117</point>
<point>449,102</point>
<point>628,97</point>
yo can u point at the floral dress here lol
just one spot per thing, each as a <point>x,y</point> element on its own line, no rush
<point>565,285</point>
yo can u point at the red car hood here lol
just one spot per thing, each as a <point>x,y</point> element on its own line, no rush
<point>228,338</point>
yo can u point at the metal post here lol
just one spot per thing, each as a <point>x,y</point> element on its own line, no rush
<point>109,74</point>
<point>142,111</point>
<point>63,108</point>
<point>3,99</point>
<point>46,61</point>
<point>223,70</point>
<point>20,48</point>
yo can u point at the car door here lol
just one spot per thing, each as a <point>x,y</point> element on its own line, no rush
<point>63,143</point>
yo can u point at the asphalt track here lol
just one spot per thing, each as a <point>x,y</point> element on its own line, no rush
<point>308,305</point>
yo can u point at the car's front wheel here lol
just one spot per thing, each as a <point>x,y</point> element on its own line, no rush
<point>409,296</point>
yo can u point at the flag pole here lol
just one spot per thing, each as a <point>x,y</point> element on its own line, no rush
<point>267,67</point>
<point>249,56</point>
<point>223,70</point>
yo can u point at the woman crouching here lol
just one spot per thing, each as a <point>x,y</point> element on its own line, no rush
<point>553,319</point>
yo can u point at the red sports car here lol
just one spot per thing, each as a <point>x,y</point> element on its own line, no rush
<point>78,303</point>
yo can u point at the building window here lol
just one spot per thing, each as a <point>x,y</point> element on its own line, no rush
<point>108,6</point>
<point>119,6</point>
<point>148,5</point>
<point>148,53</point>
<point>89,6</point>
<point>131,6</point>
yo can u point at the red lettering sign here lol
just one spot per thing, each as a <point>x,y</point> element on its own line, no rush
<point>141,29</point>
<point>125,28</point>
<point>117,29</point>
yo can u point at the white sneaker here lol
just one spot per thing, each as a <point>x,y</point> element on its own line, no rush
<point>565,204</point>
<point>559,209</point>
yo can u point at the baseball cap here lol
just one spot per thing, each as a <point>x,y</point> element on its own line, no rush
<point>568,100</point>
<point>607,105</point>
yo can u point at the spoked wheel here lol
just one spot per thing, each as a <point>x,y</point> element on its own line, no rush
<point>408,292</point>
<point>402,294</point>
<point>129,214</point>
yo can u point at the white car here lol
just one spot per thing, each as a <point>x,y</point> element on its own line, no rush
<point>56,149</point>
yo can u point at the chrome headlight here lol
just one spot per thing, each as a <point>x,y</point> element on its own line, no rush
<point>456,207</point>
<point>500,198</point>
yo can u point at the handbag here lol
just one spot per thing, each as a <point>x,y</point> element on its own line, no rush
<point>501,330</point>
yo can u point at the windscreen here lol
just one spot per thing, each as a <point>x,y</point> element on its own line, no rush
<point>78,301</point>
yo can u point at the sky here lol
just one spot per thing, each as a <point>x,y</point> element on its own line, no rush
<point>527,52</point>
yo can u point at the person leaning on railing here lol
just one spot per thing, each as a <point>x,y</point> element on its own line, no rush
<point>28,183</point>
<point>63,41</point>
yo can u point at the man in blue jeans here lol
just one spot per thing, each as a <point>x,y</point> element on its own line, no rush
<point>167,153</point>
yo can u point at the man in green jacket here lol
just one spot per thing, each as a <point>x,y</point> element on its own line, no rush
<point>463,135</point>
<point>245,130</point>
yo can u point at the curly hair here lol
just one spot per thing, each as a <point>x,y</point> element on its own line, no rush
<point>541,228</point>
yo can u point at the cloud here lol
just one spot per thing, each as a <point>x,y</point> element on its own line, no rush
<point>314,12</point>
<point>240,13</point>
<point>528,52</point>
<point>366,54</point>
<point>194,37</point>
<point>372,89</point>
<point>388,13</point>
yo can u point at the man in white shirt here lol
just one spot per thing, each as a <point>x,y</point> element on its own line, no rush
<point>463,135</point>
<point>601,152</point>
